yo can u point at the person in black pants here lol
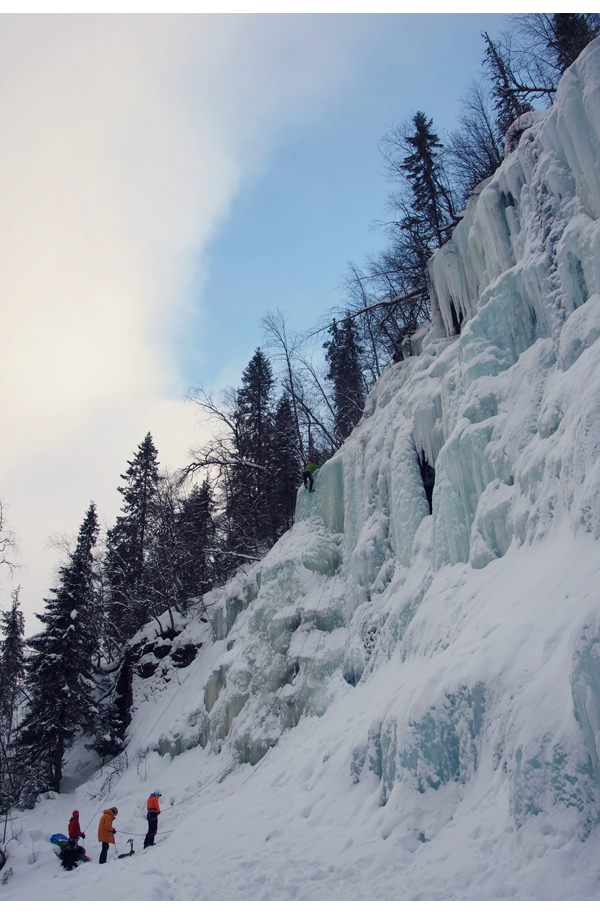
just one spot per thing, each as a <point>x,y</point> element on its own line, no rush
<point>74,852</point>
<point>153,808</point>
<point>106,832</point>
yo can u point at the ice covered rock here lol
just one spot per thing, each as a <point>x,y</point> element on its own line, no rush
<point>435,604</point>
<point>493,426</point>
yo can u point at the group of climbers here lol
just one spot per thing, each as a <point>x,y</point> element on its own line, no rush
<point>72,853</point>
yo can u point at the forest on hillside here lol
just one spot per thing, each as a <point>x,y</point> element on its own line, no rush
<point>178,535</point>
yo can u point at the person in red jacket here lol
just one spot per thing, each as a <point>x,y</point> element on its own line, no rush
<point>73,852</point>
<point>153,814</point>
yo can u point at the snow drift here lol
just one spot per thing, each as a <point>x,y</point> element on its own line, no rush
<point>396,703</point>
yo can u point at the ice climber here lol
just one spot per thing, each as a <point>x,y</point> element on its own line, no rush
<point>74,853</point>
<point>106,833</point>
<point>153,812</point>
<point>307,476</point>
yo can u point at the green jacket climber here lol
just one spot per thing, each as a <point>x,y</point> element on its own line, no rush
<point>307,476</point>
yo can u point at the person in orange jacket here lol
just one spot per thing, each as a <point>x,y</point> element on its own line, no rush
<point>106,833</point>
<point>153,813</point>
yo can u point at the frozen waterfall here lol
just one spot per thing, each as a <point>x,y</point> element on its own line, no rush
<point>506,414</point>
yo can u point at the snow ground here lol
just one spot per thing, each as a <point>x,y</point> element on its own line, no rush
<point>394,705</point>
<point>299,827</point>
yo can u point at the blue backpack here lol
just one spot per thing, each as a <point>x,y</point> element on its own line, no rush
<point>57,838</point>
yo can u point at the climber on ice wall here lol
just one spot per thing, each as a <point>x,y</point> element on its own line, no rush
<point>307,476</point>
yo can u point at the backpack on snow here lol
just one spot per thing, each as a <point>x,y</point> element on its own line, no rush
<point>62,846</point>
<point>57,838</point>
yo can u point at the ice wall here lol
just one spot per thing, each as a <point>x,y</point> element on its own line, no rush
<point>470,629</point>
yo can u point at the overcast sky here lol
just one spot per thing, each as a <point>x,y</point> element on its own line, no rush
<point>165,181</point>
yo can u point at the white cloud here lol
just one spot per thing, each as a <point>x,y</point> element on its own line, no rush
<point>124,141</point>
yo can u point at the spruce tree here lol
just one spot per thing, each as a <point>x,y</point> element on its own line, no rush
<point>343,354</point>
<point>424,216</point>
<point>59,683</point>
<point>255,462</point>
<point>130,599</point>
<point>284,467</point>
<point>254,399</point>
<point>12,669</point>
<point>431,203</point>
<point>178,567</point>
<point>196,533</point>
<point>510,101</point>
<point>572,32</point>
<point>161,575</point>
<point>247,503</point>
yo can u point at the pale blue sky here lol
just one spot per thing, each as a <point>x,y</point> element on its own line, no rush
<point>292,231</point>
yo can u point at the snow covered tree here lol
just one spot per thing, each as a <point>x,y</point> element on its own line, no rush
<point>12,656</point>
<point>130,598</point>
<point>161,577</point>
<point>12,669</point>
<point>59,682</point>
<point>343,354</point>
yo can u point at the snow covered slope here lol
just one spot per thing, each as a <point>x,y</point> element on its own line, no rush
<point>398,704</point>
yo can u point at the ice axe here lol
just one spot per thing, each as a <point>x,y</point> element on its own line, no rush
<point>130,852</point>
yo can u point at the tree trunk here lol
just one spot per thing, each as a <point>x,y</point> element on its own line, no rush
<point>59,752</point>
